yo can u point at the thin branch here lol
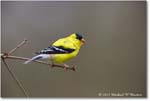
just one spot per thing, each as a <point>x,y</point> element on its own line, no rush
<point>15,78</point>
<point>9,56</point>
<point>41,62</point>
<point>18,46</point>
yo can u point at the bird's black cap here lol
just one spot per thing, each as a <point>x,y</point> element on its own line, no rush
<point>79,36</point>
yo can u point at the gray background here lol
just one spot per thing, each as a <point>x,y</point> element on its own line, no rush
<point>112,60</point>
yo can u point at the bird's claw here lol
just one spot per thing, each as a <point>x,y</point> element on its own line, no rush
<point>66,67</point>
<point>74,68</point>
<point>52,65</point>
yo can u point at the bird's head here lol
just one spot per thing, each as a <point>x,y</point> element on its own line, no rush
<point>78,37</point>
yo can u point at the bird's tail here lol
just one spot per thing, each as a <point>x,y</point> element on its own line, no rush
<point>41,56</point>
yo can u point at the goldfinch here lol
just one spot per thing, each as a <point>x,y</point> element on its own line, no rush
<point>62,50</point>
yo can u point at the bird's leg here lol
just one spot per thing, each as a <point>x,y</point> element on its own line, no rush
<point>66,66</point>
<point>74,68</point>
<point>52,64</point>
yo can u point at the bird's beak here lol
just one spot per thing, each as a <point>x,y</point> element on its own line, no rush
<point>82,40</point>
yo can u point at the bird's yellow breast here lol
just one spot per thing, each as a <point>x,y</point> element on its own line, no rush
<point>61,58</point>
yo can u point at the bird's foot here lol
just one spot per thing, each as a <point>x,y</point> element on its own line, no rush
<point>52,65</point>
<point>74,68</point>
<point>66,67</point>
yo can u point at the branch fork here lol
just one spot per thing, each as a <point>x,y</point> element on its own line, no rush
<point>7,55</point>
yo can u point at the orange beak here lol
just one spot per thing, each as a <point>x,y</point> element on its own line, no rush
<point>82,40</point>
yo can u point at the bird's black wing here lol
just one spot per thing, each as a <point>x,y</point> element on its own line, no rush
<point>56,50</point>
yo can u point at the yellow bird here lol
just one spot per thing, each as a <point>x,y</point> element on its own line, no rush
<point>62,50</point>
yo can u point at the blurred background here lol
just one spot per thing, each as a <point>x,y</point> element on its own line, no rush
<point>112,60</point>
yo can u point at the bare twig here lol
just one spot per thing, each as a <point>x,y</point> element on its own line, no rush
<point>18,46</point>
<point>41,62</point>
<point>9,56</point>
<point>15,78</point>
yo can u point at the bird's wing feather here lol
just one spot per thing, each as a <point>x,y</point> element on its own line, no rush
<point>61,46</point>
<point>56,50</point>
